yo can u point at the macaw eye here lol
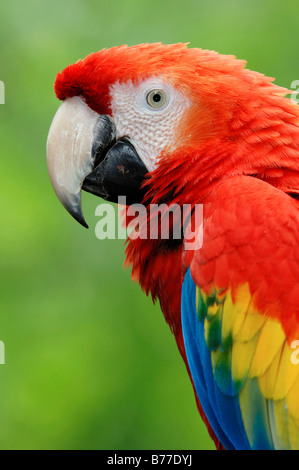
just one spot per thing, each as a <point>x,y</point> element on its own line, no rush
<point>156,98</point>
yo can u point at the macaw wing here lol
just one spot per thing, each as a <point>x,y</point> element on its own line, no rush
<point>242,359</point>
<point>242,370</point>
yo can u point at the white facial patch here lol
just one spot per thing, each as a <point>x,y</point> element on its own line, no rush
<point>151,126</point>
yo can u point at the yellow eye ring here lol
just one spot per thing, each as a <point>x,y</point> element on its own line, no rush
<point>156,98</point>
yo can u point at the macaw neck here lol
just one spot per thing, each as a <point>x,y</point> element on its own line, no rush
<point>260,139</point>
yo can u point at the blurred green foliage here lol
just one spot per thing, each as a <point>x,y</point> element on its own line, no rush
<point>90,361</point>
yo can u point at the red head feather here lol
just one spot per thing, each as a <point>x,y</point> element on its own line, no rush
<point>239,123</point>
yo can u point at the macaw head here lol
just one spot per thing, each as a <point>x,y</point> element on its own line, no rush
<point>166,120</point>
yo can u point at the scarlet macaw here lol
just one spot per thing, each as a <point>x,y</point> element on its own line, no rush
<point>166,123</point>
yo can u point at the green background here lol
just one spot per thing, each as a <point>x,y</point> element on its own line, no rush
<point>90,361</point>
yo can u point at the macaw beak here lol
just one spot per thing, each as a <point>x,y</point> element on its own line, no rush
<point>83,153</point>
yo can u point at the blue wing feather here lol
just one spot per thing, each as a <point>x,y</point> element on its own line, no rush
<point>222,410</point>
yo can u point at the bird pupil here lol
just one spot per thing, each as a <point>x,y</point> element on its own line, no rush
<point>156,97</point>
